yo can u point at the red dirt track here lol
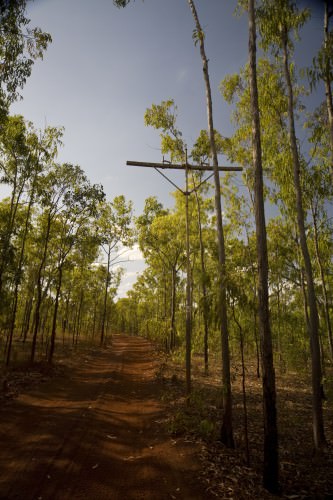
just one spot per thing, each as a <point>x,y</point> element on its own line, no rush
<point>94,432</point>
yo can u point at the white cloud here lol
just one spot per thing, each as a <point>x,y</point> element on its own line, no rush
<point>133,254</point>
<point>182,75</point>
<point>133,267</point>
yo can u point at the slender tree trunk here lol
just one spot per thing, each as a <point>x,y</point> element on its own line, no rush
<point>226,429</point>
<point>318,424</point>
<point>327,81</point>
<point>173,309</point>
<point>188,293</point>
<point>12,321</point>
<point>66,320</point>
<point>255,328</point>
<point>39,290</point>
<point>79,316</point>
<point>55,316</point>
<point>94,318</point>
<point>279,341</point>
<point>305,300</point>
<point>255,318</point>
<point>241,345</point>
<point>107,282</point>
<point>203,284</point>
<point>323,284</point>
<point>271,455</point>
<point>26,320</point>
<point>19,272</point>
<point>14,203</point>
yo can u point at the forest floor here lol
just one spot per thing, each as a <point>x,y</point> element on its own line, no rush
<point>114,424</point>
<point>230,473</point>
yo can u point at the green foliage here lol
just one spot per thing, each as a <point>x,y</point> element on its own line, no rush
<point>322,67</point>
<point>71,220</point>
<point>198,36</point>
<point>201,151</point>
<point>163,116</point>
<point>194,418</point>
<point>20,46</point>
<point>276,18</point>
<point>49,241</point>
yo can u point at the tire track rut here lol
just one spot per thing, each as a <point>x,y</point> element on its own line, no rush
<point>96,434</point>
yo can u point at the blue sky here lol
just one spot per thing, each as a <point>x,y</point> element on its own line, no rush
<point>107,65</point>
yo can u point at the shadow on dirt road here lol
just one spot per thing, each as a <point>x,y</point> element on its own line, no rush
<point>95,433</point>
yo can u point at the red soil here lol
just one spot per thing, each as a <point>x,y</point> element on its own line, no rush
<point>95,432</point>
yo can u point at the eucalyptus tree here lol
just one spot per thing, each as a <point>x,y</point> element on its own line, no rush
<point>200,154</point>
<point>227,428</point>
<point>15,168</point>
<point>163,117</point>
<point>20,46</point>
<point>318,189</point>
<point>81,300</point>
<point>241,306</point>
<point>238,214</point>
<point>322,71</point>
<point>77,305</point>
<point>271,457</point>
<point>51,190</point>
<point>285,275</point>
<point>169,248</point>
<point>115,232</point>
<point>22,157</point>
<point>77,206</point>
<point>278,20</point>
<point>68,201</point>
<point>12,256</point>
<point>123,313</point>
<point>40,150</point>
<point>148,306</point>
<point>163,247</point>
<point>319,198</point>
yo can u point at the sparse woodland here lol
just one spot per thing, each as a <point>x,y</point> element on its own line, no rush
<point>261,263</point>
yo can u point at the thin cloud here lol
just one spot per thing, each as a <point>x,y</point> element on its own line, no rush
<point>182,75</point>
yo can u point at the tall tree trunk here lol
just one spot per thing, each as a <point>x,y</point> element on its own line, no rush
<point>188,293</point>
<point>18,274</point>
<point>79,318</point>
<point>327,80</point>
<point>317,411</point>
<point>94,317</point>
<point>106,288</point>
<point>26,318</point>
<point>65,321</point>
<point>173,309</point>
<point>55,315</point>
<point>271,455</point>
<point>323,283</point>
<point>203,284</point>
<point>14,204</point>
<point>241,346</point>
<point>39,290</point>
<point>226,429</point>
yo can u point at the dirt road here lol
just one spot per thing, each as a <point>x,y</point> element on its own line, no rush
<point>95,433</point>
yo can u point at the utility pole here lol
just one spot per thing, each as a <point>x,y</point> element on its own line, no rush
<point>186,167</point>
<point>188,289</point>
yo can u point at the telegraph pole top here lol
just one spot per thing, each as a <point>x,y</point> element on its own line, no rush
<point>184,166</point>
